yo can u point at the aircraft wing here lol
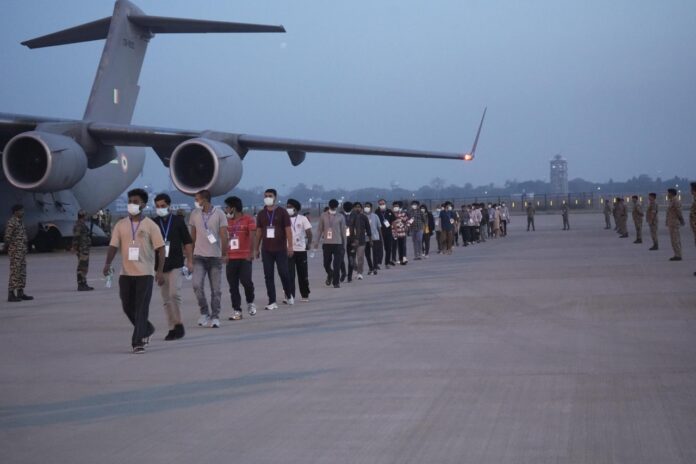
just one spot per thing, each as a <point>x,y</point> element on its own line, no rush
<point>162,140</point>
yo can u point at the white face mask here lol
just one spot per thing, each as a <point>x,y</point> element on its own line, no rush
<point>133,210</point>
<point>268,201</point>
<point>438,210</point>
<point>196,205</point>
<point>414,207</point>
<point>382,207</point>
<point>162,212</point>
<point>449,208</point>
<point>291,211</point>
<point>368,210</point>
<point>422,211</point>
<point>396,209</point>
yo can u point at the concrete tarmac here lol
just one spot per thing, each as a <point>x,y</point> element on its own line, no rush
<point>543,347</point>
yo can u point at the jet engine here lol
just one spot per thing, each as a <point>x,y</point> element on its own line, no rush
<point>205,164</point>
<point>43,162</point>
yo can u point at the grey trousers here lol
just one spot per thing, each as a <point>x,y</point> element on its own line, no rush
<point>417,237</point>
<point>211,267</point>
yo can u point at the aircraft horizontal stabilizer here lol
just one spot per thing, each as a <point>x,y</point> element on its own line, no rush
<point>164,25</point>
<point>87,32</point>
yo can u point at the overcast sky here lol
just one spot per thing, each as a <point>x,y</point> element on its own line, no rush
<point>609,84</point>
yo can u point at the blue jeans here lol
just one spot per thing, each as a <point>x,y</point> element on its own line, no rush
<point>417,237</point>
<point>212,267</point>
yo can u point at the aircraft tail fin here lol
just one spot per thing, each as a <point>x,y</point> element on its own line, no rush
<point>478,133</point>
<point>95,30</point>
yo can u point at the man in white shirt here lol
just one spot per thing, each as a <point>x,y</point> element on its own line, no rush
<point>301,241</point>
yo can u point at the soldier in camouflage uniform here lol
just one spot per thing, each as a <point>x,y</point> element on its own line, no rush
<point>674,221</point>
<point>652,219</point>
<point>16,243</point>
<point>637,214</point>
<point>80,245</point>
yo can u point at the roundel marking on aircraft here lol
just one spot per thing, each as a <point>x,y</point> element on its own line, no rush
<point>124,163</point>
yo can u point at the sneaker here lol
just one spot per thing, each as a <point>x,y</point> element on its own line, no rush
<point>171,335</point>
<point>653,248</point>
<point>138,349</point>
<point>289,300</point>
<point>304,299</point>
<point>337,286</point>
<point>251,307</point>
<point>675,258</point>
<point>271,307</point>
<point>203,321</point>
<point>215,324</point>
<point>328,281</point>
<point>374,273</point>
<point>236,316</point>
<point>360,277</point>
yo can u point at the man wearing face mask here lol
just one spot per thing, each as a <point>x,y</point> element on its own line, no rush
<point>16,243</point>
<point>81,244</point>
<point>417,223</point>
<point>177,244</point>
<point>360,234</point>
<point>273,243</point>
<point>301,242</point>
<point>373,248</point>
<point>386,218</point>
<point>438,227</point>
<point>447,222</point>
<point>332,233</point>
<point>242,229</point>
<point>138,238</point>
<point>399,231</point>
<point>210,241</point>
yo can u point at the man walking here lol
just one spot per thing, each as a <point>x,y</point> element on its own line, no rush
<point>418,222</point>
<point>16,243</point>
<point>651,217</point>
<point>637,215</point>
<point>622,218</point>
<point>210,241</point>
<point>360,234</point>
<point>274,244</point>
<point>177,244</point>
<point>138,238</point>
<point>373,248</point>
<point>332,233</point>
<point>241,231</point>
<point>81,243</point>
<point>447,223</point>
<point>674,221</point>
<point>386,219</point>
<point>301,242</point>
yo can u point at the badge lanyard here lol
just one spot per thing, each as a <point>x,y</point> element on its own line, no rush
<point>235,228</point>
<point>169,224</point>
<point>270,218</point>
<point>206,217</point>
<point>135,230</point>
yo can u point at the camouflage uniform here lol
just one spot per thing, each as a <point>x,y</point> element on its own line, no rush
<point>607,215</point>
<point>637,215</point>
<point>674,221</point>
<point>652,219</point>
<point>16,242</point>
<point>81,244</point>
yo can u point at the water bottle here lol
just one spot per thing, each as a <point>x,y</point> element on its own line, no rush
<point>110,278</point>
<point>186,273</point>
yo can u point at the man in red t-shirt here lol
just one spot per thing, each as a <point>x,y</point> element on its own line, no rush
<point>241,230</point>
<point>274,238</point>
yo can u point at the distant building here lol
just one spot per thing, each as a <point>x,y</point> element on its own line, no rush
<point>559,175</point>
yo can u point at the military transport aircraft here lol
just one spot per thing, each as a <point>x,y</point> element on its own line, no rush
<point>55,167</point>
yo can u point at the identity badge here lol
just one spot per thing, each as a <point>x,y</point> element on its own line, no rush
<point>166,249</point>
<point>386,223</point>
<point>133,253</point>
<point>234,244</point>
<point>270,232</point>
<point>329,234</point>
<point>211,238</point>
